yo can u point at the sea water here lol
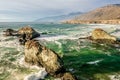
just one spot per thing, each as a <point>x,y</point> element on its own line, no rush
<point>55,29</point>
<point>63,39</point>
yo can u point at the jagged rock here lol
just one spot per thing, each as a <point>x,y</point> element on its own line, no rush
<point>35,53</point>
<point>101,36</point>
<point>10,32</point>
<point>27,33</point>
<point>68,76</point>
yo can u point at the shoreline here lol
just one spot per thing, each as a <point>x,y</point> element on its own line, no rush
<point>116,21</point>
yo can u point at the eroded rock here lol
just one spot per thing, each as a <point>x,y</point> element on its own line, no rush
<point>35,53</point>
<point>101,36</point>
<point>27,33</point>
<point>68,76</point>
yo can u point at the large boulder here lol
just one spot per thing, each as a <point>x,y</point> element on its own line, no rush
<point>10,32</point>
<point>101,36</point>
<point>35,53</point>
<point>27,33</point>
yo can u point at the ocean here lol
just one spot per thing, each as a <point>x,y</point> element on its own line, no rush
<point>81,57</point>
<point>55,29</point>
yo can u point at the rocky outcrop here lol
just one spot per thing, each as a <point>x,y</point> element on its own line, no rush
<point>24,34</point>
<point>27,33</point>
<point>35,53</point>
<point>101,36</point>
<point>10,32</point>
<point>68,76</point>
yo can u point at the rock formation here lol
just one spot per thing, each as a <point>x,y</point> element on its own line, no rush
<point>100,36</point>
<point>27,33</point>
<point>10,32</point>
<point>24,34</point>
<point>35,53</point>
<point>68,76</point>
<point>40,55</point>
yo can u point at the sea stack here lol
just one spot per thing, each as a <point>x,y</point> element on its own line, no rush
<point>37,54</point>
<point>27,33</point>
<point>101,36</point>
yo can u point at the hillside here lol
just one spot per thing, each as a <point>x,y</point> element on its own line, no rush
<point>107,14</point>
<point>58,18</point>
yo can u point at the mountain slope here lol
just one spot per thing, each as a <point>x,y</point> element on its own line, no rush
<point>58,18</point>
<point>108,12</point>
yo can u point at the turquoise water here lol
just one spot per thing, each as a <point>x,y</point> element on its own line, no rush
<point>51,28</point>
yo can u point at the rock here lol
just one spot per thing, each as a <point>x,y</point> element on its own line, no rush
<point>10,32</point>
<point>101,36</point>
<point>27,33</point>
<point>68,76</point>
<point>35,53</point>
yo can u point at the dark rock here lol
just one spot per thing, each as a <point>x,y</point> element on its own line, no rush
<point>27,33</point>
<point>10,32</point>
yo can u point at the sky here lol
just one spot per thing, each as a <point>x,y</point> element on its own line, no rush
<point>30,10</point>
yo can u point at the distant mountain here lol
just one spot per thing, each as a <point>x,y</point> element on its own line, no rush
<point>108,12</point>
<point>58,18</point>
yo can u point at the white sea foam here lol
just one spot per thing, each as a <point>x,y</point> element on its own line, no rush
<point>54,38</point>
<point>22,63</point>
<point>37,76</point>
<point>114,77</point>
<point>95,62</point>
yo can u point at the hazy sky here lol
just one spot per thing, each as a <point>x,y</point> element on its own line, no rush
<point>30,10</point>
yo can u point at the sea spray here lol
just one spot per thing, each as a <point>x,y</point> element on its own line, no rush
<point>37,76</point>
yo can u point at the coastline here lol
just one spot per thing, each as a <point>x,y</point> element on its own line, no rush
<point>116,21</point>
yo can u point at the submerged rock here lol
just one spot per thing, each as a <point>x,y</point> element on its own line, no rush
<point>10,32</point>
<point>27,33</point>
